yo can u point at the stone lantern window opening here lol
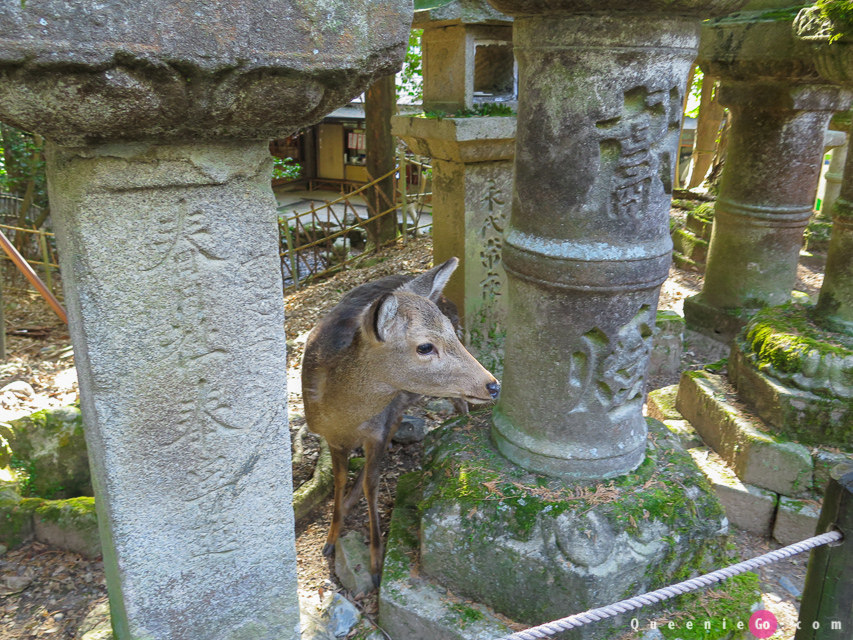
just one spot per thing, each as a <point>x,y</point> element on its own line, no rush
<point>495,71</point>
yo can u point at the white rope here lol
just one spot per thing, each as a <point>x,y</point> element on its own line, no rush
<point>594,615</point>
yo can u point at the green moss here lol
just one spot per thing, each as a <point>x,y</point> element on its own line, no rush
<point>484,109</point>
<point>839,14</point>
<point>785,337</point>
<point>465,614</point>
<point>16,520</point>
<point>468,472</point>
<point>403,530</point>
<point>70,513</point>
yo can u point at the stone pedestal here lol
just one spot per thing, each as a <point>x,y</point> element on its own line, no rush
<point>780,108</point>
<point>493,538</point>
<point>158,117</point>
<point>472,189</point>
<point>588,246</point>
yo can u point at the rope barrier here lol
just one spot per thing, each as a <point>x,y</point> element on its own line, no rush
<point>594,615</point>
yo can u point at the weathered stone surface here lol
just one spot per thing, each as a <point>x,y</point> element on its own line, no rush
<point>747,507</point>
<point>796,520</point>
<point>588,238</point>
<point>412,429</point>
<point>51,449</point>
<point>352,563</point>
<point>758,458</point>
<point>667,344</point>
<point>69,524</point>
<point>410,605</point>
<point>780,107</point>
<point>194,481</point>
<point>797,384</point>
<point>16,517</point>
<point>661,404</point>
<point>686,434</point>
<point>333,617</point>
<point>472,178</point>
<point>495,535</point>
<point>79,72</point>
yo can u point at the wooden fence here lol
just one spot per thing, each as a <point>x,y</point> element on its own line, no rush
<point>323,236</point>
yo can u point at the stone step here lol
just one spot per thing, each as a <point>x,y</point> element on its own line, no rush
<point>667,344</point>
<point>660,405</point>
<point>686,264</point>
<point>758,458</point>
<point>795,520</point>
<point>689,245</point>
<point>749,508</point>
<point>699,225</point>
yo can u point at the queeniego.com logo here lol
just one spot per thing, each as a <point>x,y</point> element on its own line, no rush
<point>762,624</point>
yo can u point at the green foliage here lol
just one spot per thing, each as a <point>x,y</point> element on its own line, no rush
<point>695,94</point>
<point>840,14</point>
<point>22,159</point>
<point>410,80</point>
<point>286,169</point>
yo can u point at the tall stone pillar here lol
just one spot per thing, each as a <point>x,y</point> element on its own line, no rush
<point>468,62</point>
<point>780,108</point>
<point>587,246</point>
<point>158,118</point>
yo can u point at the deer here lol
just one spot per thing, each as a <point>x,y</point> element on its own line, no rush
<point>384,345</point>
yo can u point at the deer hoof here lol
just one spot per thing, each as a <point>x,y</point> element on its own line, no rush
<point>329,549</point>
<point>376,579</point>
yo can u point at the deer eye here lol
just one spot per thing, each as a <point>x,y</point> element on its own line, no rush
<point>425,348</point>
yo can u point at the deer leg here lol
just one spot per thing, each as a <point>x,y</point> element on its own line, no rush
<point>354,494</point>
<point>340,458</point>
<point>373,452</point>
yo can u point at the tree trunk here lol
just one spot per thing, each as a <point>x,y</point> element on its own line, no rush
<point>379,106</point>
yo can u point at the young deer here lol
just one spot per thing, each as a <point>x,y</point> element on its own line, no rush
<point>385,344</point>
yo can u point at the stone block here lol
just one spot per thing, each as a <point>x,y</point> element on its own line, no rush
<point>758,458</point>
<point>50,445</point>
<point>352,563</point>
<point>69,524</point>
<point>796,520</point>
<point>685,433</point>
<point>412,429</point>
<point>16,518</point>
<point>814,418</point>
<point>747,507</point>
<point>660,404</point>
<point>495,534</point>
<point>410,605</point>
<point>690,246</point>
<point>667,343</point>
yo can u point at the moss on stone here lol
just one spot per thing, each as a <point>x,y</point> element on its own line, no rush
<point>784,341</point>
<point>469,472</point>
<point>71,513</point>
<point>16,519</point>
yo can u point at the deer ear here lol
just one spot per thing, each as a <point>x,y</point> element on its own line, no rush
<point>431,283</point>
<point>382,315</point>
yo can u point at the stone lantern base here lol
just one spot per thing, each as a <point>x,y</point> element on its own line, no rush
<point>535,549</point>
<point>797,376</point>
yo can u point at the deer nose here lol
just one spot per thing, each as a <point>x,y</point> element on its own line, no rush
<point>494,388</point>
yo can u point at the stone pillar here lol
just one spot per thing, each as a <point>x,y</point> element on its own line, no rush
<point>835,303</point>
<point>472,186</point>
<point>829,189</point>
<point>780,108</point>
<point>159,179</point>
<point>468,62</point>
<point>588,245</point>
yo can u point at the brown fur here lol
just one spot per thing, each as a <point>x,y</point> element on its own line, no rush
<point>362,369</point>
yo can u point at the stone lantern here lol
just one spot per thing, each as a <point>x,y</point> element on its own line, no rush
<point>497,519</point>
<point>158,115</point>
<point>468,62</point>
<point>780,108</point>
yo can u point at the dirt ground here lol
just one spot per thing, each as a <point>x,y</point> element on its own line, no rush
<point>45,592</point>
